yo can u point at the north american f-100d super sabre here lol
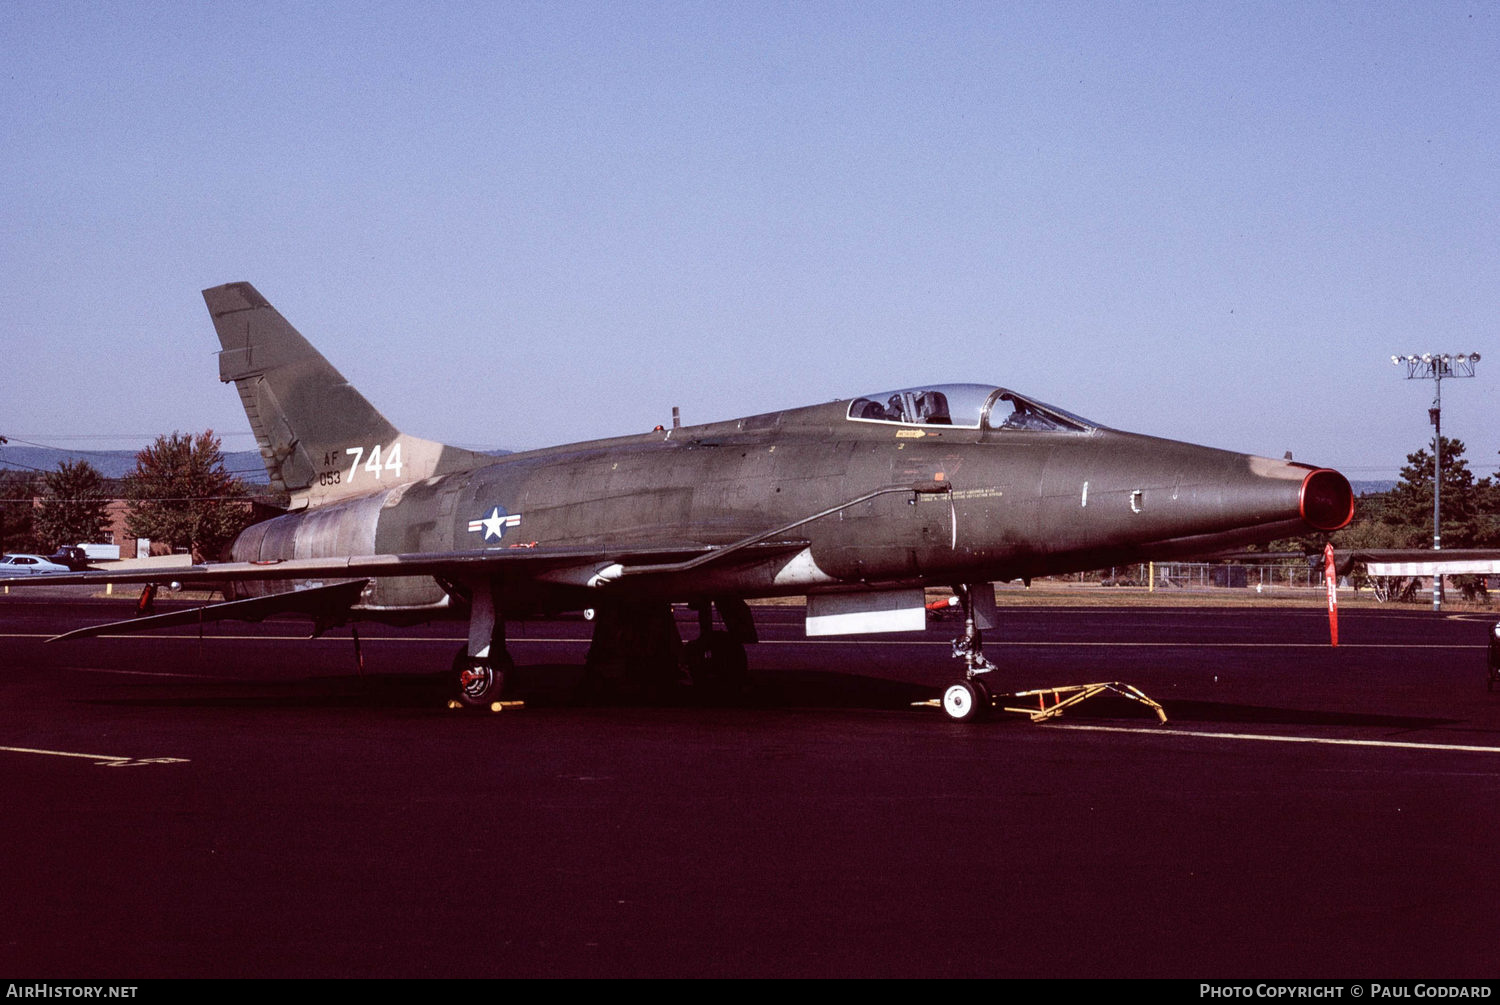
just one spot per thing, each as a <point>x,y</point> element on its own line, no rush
<point>857,504</point>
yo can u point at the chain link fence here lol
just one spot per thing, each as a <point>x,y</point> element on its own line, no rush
<point>1216,576</point>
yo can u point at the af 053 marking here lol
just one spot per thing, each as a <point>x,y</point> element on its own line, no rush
<point>373,464</point>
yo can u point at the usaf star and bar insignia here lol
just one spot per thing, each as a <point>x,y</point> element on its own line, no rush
<point>496,524</point>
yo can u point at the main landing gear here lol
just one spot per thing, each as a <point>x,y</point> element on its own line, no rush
<point>715,661</point>
<point>637,650</point>
<point>634,652</point>
<point>481,664</point>
<point>481,679</point>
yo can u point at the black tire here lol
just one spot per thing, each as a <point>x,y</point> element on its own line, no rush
<point>717,664</point>
<point>479,681</point>
<point>966,701</point>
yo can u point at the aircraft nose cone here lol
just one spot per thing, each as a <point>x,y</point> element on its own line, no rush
<point>1326,500</point>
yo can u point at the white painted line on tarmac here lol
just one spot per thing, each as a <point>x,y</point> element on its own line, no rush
<point>944,644</point>
<point>998,644</point>
<point>1331,741</point>
<point>106,760</point>
<point>989,643</point>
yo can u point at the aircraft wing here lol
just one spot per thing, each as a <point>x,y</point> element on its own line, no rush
<point>326,605</point>
<point>565,565</point>
<point>330,603</point>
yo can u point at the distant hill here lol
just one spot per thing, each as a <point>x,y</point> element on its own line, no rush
<point>118,463</point>
<point>1360,488</point>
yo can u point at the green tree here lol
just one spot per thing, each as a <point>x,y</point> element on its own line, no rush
<point>1372,527</point>
<point>1466,516</point>
<point>75,498</point>
<point>18,489</point>
<point>180,493</point>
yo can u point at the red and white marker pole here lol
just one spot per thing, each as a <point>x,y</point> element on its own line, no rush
<point>1331,578</point>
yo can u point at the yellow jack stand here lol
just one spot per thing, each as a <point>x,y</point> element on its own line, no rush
<point>1069,695</point>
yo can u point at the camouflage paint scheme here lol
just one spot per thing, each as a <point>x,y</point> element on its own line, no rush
<point>1015,506</point>
<point>941,485</point>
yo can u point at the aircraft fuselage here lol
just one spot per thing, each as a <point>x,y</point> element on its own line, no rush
<point>1013,503</point>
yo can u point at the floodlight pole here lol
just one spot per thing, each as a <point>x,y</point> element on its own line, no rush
<point>1435,366</point>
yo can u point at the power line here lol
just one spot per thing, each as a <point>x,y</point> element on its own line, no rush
<point>22,437</point>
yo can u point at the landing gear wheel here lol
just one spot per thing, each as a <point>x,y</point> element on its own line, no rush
<point>966,701</point>
<point>716,663</point>
<point>480,680</point>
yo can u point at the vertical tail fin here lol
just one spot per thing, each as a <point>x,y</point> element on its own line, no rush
<point>321,440</point>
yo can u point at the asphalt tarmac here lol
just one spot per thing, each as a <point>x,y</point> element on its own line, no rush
<point>247,804</point>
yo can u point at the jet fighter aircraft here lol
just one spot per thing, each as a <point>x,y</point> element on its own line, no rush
<point>857,504</point>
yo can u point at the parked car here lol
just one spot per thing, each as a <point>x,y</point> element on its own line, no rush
<point>28,565</point>
<point>70,555</point>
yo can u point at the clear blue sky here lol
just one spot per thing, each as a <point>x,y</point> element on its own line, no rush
<point>520,224</point>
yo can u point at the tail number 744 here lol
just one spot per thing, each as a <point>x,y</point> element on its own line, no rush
<point>374,464</point>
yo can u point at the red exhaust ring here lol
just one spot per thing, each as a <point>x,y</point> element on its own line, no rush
<point>1326,500</point>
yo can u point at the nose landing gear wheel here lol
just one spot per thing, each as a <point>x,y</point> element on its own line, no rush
<point>966,701</point>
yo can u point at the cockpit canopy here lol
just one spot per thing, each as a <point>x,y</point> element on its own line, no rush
<point>966,406</point>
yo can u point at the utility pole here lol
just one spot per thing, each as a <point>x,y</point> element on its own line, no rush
<point>3,441</point>
<point>1435,366</point>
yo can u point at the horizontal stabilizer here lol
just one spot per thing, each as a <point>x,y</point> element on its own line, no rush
<point>325,604</point>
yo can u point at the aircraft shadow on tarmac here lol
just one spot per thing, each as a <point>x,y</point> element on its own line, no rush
<point>569,685</point>
<point>542,686</point>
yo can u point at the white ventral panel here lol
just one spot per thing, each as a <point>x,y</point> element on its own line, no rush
<point>865,613</point>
